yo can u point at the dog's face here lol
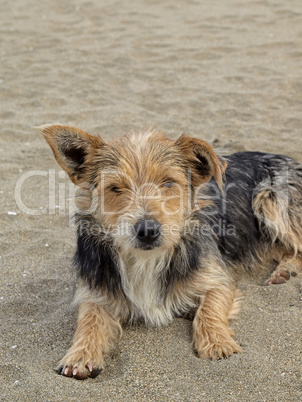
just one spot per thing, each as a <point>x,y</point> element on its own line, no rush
<point>141,184</point>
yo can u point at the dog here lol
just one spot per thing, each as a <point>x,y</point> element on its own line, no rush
<point>166,228</point>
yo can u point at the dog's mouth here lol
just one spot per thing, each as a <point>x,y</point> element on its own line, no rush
<point>142,246</point>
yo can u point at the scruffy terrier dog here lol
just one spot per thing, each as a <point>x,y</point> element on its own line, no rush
<point>165,228</point>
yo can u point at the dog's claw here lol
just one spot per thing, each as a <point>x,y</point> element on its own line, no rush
<point>68,372</point>
<point>60,370</point>
<point>78,373</point>
<point>95,372</point>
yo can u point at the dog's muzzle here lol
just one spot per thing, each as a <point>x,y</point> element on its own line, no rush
<point>148,233</point>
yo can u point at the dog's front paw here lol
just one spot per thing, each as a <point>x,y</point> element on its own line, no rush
<point>217,349</point>
<point>78,366</point>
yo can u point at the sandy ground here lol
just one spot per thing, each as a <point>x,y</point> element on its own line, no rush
<point>226,71</point>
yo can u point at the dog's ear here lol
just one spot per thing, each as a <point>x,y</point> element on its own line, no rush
<point>72,149</point>
<point>203,161</point>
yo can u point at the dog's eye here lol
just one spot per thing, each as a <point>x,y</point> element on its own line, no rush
<point>115,189</point>
<point>168,183</point>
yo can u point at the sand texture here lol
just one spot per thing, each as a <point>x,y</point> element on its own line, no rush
<point>229,72</point>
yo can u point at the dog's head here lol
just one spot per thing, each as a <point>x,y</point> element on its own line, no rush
<point>143,184</point>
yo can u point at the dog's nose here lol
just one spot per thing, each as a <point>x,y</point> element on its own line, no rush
<point>147,231</point>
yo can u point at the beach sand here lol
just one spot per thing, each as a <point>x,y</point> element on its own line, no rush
<point>228,72</point>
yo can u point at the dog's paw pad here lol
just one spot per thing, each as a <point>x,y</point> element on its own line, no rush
<point>279,277</point>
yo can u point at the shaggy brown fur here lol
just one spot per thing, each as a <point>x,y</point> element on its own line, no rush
<point>162,231</point>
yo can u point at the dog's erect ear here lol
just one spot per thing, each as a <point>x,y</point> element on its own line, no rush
<point>72,148</point>
<point>203,161</point>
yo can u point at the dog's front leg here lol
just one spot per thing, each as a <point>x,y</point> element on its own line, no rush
<point>213,338</point>
<point>95,333</point>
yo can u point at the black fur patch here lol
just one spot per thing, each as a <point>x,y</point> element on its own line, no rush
<point>77,155</point>
<point>232,232</point>
<point>191,253</point>
<point>182,264</point>
<point>203,166</point>
<point>234,209</point>
<point>96,259</point>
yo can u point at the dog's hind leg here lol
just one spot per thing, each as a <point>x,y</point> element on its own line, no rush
<point>287,267</point>
<point>278,207</point>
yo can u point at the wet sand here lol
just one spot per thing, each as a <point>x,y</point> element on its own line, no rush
<point>227,72</point>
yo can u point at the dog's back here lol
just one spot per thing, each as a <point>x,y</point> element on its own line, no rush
<point>260,207</point>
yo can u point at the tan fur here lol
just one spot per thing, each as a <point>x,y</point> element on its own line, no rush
<point>99,320</point>
<point>282,223</point>
<point>96,332</point>
<point>219,298</point>
<point>192,146</point>
<point>145,176</point>
<point>59,138</point>
<point>130,191</point>
<point>211,332</point>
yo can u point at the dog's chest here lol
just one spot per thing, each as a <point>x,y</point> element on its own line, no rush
<point>143,286</point>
